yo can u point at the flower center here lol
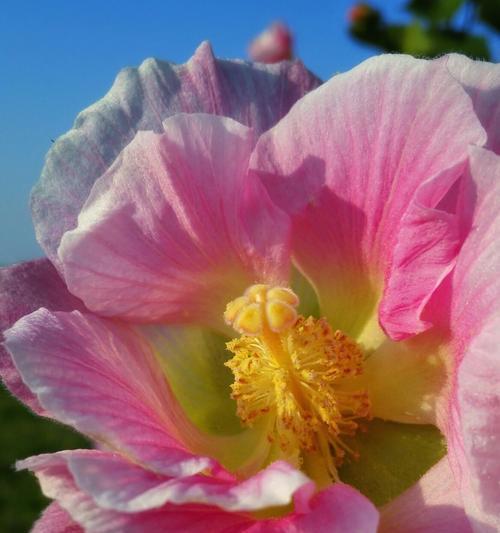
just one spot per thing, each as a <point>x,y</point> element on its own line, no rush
<point>292,369</point>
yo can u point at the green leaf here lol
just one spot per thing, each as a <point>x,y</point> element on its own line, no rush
<point>416,41</point>
<point>444,42</point>
<point>434,10</point>
<point>392,458</point>
<point>433,42</point>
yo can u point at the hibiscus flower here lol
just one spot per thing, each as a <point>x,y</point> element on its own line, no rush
<point>271,305</point>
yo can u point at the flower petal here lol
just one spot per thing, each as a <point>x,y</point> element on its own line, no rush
<point>392,458</point>
<point>176,229</point>
<point>481,80</point>
<point>476,285</point>
<point>56,520</point>
<point>478,396</point>
<point>474,424</point>
<point>346,163</point>
<point>406,380</point>
<point>192,359</point>
<point>141,99</point>
<point>114,483</point>
<point>433,505</point>
<point>101,377</point>
<point>339,508</point>
<point>24,288</point>
<point>58,483</point>
<point>427,245</point>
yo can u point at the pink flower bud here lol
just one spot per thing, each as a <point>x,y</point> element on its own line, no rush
<point>272,45</point>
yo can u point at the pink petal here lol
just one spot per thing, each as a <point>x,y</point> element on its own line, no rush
<point>481,80</point>
<point>24,288</point>
<point>88,494</point>
<point>347,161</point>
<point>176,229</point>
<point>337,509</point>
<point>474,423</point>
<point>57,483</point>
<point>192,359</point>
<point>56,520</point>
<point>116,484</point>
<point>433,505</point>
<point>476,286</point>
<point>478,398</point>
<point>428,242</point>
<point>101,377</point>
<point>140,99</point>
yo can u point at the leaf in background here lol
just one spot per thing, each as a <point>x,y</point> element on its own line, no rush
<point>416,41</point>
<point>435,10</point>
<point>21,500</point>
<point>448,41</point>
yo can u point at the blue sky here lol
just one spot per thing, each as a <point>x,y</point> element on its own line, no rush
<point>59,56</point>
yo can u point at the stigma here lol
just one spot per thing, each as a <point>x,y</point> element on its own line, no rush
<point>293,370</point>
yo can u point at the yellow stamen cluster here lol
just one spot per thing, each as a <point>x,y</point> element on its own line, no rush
<point>290,367</point>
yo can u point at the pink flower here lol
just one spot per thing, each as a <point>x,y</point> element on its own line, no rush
<point>188,208</point>
<point>273,45</point>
